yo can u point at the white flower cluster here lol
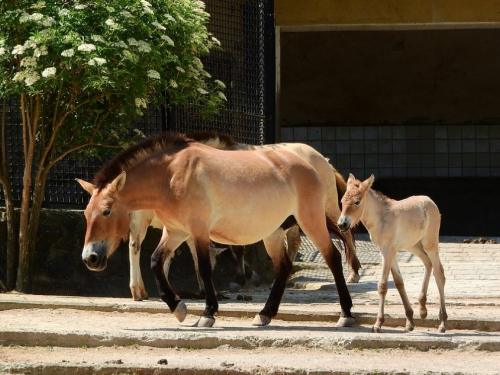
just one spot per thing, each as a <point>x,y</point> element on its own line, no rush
<point>97,61</point>
<point>142,46</point>
<point>86,47</point>
<point>168,39</point>
<point>159,25</point>
<point>49,72</point>
<point>28,77</point>
<point>147,7</point>
<point>141,103</point>
<point>153,74</point>
<point>68,53</point>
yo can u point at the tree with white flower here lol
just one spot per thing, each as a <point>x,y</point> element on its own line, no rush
<point>83,70</point>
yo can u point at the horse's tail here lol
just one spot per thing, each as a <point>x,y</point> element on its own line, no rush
<point>334,229</point>
<point>341,189</point>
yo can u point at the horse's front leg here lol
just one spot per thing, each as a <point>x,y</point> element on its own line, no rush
<point>388,255</point>
<point>354,263</point>
<point>138,228</point>
<point>202,246</point>
<point>400,285</point>
<point>275,247</point>
<point>168,244</point>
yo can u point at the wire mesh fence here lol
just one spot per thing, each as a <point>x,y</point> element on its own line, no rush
<point>240,26</point>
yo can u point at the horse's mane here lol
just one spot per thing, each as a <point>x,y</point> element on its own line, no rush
<point>137,153</point>
<point>380,196</point>
<point>215,140</point>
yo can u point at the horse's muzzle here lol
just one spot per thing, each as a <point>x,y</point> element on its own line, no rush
<point>95,258</point>
<point>344,223</point>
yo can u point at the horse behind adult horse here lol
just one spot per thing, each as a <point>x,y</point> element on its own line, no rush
<point>231,197</point>
<point>411,224</point>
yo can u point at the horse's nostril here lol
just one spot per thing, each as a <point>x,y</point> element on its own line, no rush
<point>93,259</point>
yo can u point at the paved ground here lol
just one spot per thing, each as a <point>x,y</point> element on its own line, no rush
<point>57,334</point>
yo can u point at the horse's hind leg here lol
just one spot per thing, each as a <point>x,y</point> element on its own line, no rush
<point>203,252</point>
<point>398,280</point>
<point>293,241</point>
<point>422,298</point>
<point>275,247</point>
<point>314,227</point>
<point>168,244</point>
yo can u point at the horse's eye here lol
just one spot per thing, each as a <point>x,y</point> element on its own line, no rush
<point>106,213</point>
<point>357,203</point>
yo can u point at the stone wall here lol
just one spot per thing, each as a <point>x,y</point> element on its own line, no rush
<point>59,269</point>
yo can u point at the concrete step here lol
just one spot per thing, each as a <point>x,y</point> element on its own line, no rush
<point>67,335</point>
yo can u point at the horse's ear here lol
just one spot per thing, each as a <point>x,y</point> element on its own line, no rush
<point>351,178</point>
<point>86,185</point>
<point>367,184</point>
<point>118,183</point>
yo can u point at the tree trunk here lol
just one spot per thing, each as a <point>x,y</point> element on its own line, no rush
<point>27,246</point>
<point>11,261</point>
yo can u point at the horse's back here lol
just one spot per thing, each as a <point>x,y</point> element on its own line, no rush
<point>274,182</point>
<point>422,219</point>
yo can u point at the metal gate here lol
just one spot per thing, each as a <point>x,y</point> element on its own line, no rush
<point>245,63</point>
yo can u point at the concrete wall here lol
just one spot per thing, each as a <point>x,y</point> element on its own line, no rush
<point>328,12</point>
<point>59,269</point>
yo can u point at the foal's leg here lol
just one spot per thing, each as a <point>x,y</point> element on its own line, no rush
<point>433,254</point>
<point>168,243</point>
<point>138,228</point>
<point>398,280</point>
<point>275,247</point>
<point>422,298</point>
<point>388,255</point>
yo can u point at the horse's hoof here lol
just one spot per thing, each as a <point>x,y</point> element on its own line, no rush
<point>180,311</point>
<point>205,322</point>
<point>423,314</point>
<point>409,328</point>
<point>345,322</point>
<point>261,320</point>
<point>441,329</point>
<point>234,287</point>
<point>255,279</point>
<point>353,278</point>
<point>376,329</point>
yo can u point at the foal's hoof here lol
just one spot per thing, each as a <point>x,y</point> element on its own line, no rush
<point>441,329</point>
<point>234,287</point>
<point>376,329</point>
<point>261,320</point>
<point>353,278</point>
<point>255,279</point>
<point>345,321</point>
<point>180,311</point>
<point>205,322</point>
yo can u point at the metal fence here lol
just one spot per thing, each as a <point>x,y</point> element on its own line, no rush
<point>245,63</point>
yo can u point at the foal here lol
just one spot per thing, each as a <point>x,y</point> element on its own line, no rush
<point>412,224</point>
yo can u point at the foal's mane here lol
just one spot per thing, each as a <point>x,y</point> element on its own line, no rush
<point>384,199</point>
<point>137,153</point>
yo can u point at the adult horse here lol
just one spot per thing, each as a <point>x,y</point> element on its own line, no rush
<point>236,197</point>
<point>333,181</point>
